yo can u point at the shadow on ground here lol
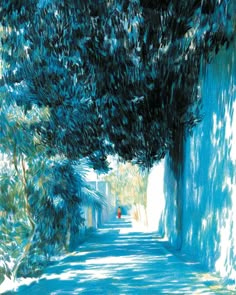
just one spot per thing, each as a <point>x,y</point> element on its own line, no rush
<point>119,260</point>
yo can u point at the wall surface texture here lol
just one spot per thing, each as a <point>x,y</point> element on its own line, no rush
<point>209,201</point>
<point>199,214</point>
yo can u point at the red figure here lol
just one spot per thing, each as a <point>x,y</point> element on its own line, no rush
<point>119,212</point>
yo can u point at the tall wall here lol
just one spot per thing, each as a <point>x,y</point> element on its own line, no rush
<point>199,215</point>
<point>210,170</point>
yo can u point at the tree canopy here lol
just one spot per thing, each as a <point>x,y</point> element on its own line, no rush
<point>117,77</point>
<point>81,80</point>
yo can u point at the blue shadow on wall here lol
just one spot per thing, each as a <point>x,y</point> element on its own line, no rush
<point>201,194</point>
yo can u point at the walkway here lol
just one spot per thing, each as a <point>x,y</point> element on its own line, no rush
<point>117,260</point>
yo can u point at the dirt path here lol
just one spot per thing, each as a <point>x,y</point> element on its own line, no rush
<point>117,260</point>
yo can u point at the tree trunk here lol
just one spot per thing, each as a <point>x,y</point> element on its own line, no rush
<point>29,215</point>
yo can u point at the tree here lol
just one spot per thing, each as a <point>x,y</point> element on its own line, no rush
<point>41,197</point>
<point>17,220</point>
<point>117,76</point>
<point>128,183</point>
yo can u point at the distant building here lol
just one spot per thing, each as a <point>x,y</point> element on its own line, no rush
<point>108,210</point>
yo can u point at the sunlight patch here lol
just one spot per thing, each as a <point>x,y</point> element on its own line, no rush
<point>230,135</point>
<point>110,260</point>
<point>155,196</point>
<point>9,285</point>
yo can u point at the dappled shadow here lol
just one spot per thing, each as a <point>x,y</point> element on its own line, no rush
<point>210,170</point>
<point>119,260</point>
<point>207,184</point>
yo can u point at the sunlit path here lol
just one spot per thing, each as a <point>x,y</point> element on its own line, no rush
<point>119,260</point>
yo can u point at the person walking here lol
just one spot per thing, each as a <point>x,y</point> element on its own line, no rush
<point>119,212</point>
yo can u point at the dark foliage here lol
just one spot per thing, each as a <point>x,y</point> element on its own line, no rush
<point>116,76</point>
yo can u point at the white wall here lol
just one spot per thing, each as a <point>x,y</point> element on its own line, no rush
<point>156,198</point>
<point>199,215</point>
<point>209,201</point>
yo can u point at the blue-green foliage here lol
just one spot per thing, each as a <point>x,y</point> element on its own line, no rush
<point>117,76</point>
<point>41,197</point>
<point>84,79</point>
<point>13,222</point>
<point>55,204</point>
<point>54,191</point>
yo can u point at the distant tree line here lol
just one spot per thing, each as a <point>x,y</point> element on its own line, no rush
<point>128,184</point>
